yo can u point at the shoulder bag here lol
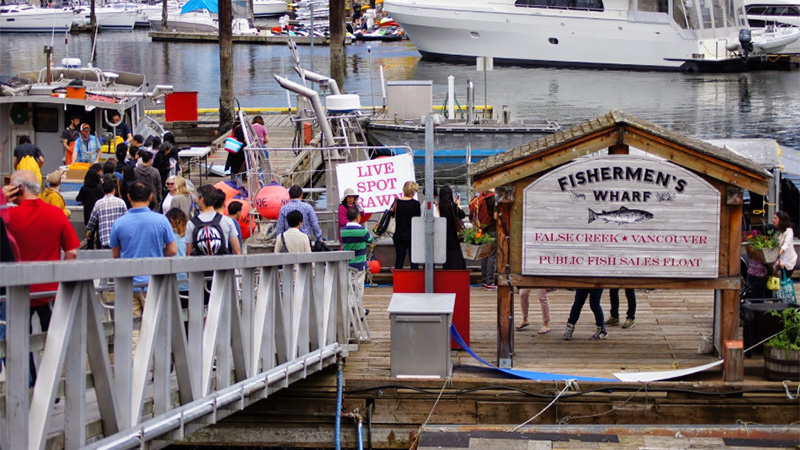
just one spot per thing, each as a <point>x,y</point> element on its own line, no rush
<point>283,245</point>
<point>393,220</point>
<point>383,224</point>
<point>787,288</point>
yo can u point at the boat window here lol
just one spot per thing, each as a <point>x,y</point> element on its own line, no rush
<point>594,5</point>
<point>45,120</point>
<point>773,10</point>
<point>685,14</point>
<point>653,5</point>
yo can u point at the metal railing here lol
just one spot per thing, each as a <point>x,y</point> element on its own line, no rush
<point>282,317</point>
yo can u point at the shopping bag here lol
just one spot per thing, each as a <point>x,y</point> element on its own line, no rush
<point>787,288</point>
<point>773,283</point>
<point>387,223</point>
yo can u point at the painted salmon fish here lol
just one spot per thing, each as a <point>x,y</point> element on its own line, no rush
<point>620,216</point>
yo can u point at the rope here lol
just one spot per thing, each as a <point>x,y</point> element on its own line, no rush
<point>571,384</point>
<point>566,419</point>
<point>415,442</point>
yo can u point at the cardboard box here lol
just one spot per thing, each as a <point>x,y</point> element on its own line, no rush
<point>75,175</point>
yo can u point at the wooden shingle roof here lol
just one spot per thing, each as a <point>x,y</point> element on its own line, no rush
<point>614,129</point>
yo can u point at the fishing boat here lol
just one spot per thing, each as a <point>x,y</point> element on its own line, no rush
<point>269,8</point>
<point>645,35</point>
<point>23,18</point>
<point>771,14</point>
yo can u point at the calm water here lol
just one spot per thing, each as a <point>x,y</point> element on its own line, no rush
<point>758,104</point>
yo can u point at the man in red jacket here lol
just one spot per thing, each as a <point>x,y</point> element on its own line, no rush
<point>42,231</point>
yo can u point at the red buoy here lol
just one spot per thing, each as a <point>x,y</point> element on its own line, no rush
<point>270,199</point>
<point>374,266</point>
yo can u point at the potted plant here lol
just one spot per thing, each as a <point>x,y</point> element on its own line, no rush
<point>782,352</point>
<point>762,247</point>
<point>477,244</point>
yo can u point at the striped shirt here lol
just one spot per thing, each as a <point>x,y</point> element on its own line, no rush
<point>106,211</point>
<point>310,221</point>
<point>355,237</point>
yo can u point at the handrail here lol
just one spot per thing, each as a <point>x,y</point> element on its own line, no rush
<point>263,311</point>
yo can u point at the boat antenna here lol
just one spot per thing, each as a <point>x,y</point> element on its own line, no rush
<point>94,43</point>
<point>371,89</point>
<point>66,44</point>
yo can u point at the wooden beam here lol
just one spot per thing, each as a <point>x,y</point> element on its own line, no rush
<point>699,162</point>
<point>505,343</point>
<point>527,281</point>
<point>619,149</point>
<point>547,159</point>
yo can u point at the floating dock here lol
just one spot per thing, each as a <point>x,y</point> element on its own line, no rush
<point>262,38</point>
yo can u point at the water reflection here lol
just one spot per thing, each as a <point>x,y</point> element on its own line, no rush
<point>761,104</point>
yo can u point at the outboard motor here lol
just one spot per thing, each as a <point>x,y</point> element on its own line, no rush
<point>746,41</point>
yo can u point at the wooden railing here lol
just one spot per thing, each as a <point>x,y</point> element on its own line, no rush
<point>269,320</point>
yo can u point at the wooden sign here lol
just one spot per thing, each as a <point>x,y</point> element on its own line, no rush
<point>621,216</point>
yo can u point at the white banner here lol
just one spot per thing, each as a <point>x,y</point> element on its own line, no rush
<point>377,181</point>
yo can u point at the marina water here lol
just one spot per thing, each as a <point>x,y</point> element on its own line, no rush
<point>746,105</point>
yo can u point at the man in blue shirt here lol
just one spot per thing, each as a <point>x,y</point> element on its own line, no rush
<point>141,233</point>
<point>296,203</point>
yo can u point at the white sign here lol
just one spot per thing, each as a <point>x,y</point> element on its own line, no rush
<point>377,181</point>
<point>618,216</point>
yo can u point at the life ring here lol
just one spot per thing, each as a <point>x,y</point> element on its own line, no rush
<point>19,114</point>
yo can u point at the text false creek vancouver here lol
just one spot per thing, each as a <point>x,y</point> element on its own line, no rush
<point>617,173</point>
<point>689,239</point>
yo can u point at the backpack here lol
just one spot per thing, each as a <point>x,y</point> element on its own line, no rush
<point>208,237</point>
<point>479,210</point>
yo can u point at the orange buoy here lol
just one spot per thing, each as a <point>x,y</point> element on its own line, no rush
<point>244,217</point>
<point>374,266</point>
<point>228,188</point>
<point>270,199</point>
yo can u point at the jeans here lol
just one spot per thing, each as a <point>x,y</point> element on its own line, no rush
<point>488,265</point>
<point>594,303</point>
<point>630,294</point>
<point>401,248</point>
<point>45,313</point>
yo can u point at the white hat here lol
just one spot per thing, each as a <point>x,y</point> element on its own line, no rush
<point>349,192</point>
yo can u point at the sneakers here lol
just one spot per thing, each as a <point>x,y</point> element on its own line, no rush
<point>629,323</point>
<point>489,287</point>
<point>612,321</point>
<point>568,333</point>
<point>599,334</point>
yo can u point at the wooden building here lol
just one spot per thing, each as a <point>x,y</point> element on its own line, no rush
<point>617,202</point>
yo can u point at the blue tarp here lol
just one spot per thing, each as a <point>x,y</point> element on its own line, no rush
<point>194,5</point>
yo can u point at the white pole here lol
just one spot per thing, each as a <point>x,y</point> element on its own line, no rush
<point>451,97</point>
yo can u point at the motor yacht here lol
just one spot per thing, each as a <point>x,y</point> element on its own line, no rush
<point>771,14</point>
<point>112,16</point>
<point>269,8</point>
<point>622,34</point>
<point>23,18</point>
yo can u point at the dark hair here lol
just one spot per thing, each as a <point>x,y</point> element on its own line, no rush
<point>122,152</point>
<point>295,191</point>
<point>115,113</point>
<point>208,193</point>
<point>446,203</point>
<point>138,138</point>
<point>234,207</point>
<point>74,116</point>
<point>169,138</point>
<point>294,218</point>
<point>93,177</point>
<point>156,142</point>
<point>220,199</point>
<point>145,155</point>
<point>259,120</point>
<point>139,191</point>
<point>352,214</point>
<point>24,139</point>
<point>133,151</point>
<point>177,218</point>
<point>109,183</point>
<point>784,221</point>
<point>165,147</point>
<point>128,174</point>
<point>109,167</point>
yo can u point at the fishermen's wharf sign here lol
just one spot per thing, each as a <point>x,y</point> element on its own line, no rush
<point>621,215</point>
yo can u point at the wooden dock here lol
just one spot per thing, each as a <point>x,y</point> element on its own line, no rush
<point>669,327</point>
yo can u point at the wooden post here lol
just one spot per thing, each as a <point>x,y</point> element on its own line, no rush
<point>505,344</point>
<point>729,309</point>
<point>618,149</point>
<point>226,112</point>
<point>337,19</point>
<point>733,366</point>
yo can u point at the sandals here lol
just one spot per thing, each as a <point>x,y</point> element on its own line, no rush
<point>544,330</point>
<point>521,326</point>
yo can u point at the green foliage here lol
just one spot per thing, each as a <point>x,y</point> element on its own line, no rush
<point>763,241</point>
<point>475,236</point>
<point>789,339</point>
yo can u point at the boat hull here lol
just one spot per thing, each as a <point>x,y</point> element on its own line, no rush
<point>269,8</point>
<point>553,37</point>
<point>40,20</point>
<point>176,24</point>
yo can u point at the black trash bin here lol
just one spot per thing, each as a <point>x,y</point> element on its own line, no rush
<point>758,324</point>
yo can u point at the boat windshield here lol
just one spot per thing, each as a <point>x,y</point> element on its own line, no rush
<point>592,5</point>
<point>708,15</point>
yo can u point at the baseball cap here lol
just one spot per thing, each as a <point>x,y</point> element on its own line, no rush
<point>85,126</point>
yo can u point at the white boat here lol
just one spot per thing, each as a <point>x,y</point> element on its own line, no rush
<point>113,16</point>
<point>269,8</point>
<point>774,40</point>
<point>765,14</point>
<point>644,34</point>
<point>148,11</point>
<point>243,27</point>
<point>198,21</point>
<point>30,19</point>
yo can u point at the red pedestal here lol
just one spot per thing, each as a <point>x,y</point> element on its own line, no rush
<point>408,281</point>
<point>180,106</point>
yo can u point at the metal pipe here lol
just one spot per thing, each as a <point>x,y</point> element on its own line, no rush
<point>355,415</point>
<point>470,101</point>
<point>320,79</point>
<point>338,435</point>
<point>429,195</point>
<point>316,104</point>
<point>160,425</point>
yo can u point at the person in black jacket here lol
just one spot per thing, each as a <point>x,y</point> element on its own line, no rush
<point>90,192</point>
<point>235,161</point>
<point>406,208</point>
<point>454,215</point>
